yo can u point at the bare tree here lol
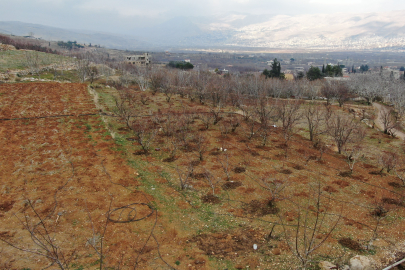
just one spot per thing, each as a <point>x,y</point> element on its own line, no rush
<point>275,187</point>
<point>252,129</point>
<point>225,164</point>
<point>312,221</point>
<point>97,239</point>
<point>352,154</point>
<point>289,113</point>
<point>212,180</point>
<point>156,80</point>
<point>314,114</point>
<point>399,170</point>
<point>342,93</point>
<point>201,146</point>
<point>144,135</point>
<point>46,244</point>
<point>185,176</point>
<point>206,118</point>
<point>388,161</point>
<point>344,130</point>
<point>125,107</point>
<point>33,61</point>
<point>388,120</point>
<point>328,91</point>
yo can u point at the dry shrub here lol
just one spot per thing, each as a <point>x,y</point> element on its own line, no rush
<point>282,146</point>
<point>380,173</point>
<point>216,153</point>
<point>239,170</point>
<point>140,153</point>
<point>350,244</point>
<point>260,208</point>
<point>209,198</point>
<point>195,163</point>
<point>392,201</point>
<point>199,175</point>
<point>6,206</point>
<point>254,153</point>
<point>231,244</point>
<point>379,211</point>
<point>345,174</point>
<point>394,184</point>
<point>286,171</point>
<point>231,185</point>
<point>169,159</point>
<point>298,167</point>
<point>124,129</point>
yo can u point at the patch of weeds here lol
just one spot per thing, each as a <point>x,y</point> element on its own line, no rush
<point>298,167</point>
<point>231,185</point>
<point>350,244</point>
<point>286,171</point>
<point>77,267</point>
<point>177,262</point>
<point>261,208</point>
<point>209,198</point>
<point>379,211</point>
<point>391,201</point>
<point>394,184</point>
<point>120,141</point>
<point>239,170</point>
<point>380,173</point>
<point>345,174</point>
<point>169,159</point>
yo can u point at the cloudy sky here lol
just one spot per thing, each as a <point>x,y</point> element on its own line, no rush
<point>123,15</point>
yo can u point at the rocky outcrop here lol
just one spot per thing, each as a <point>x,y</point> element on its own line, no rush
<point>361,263</point>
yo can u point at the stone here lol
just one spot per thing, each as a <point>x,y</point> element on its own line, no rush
<point>361,263</point>
<point>325,265</point>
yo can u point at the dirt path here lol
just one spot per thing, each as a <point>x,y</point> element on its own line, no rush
<point>379,123</point>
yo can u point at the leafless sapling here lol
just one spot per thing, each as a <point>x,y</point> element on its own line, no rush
<point>201,146</point>
<point>312,221</point>
<point>46,244</point>
<point>185,176</point>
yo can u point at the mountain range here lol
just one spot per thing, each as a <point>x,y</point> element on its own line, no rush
<point>342,31</point>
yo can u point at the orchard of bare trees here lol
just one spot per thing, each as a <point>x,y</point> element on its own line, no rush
<point>291,157</point>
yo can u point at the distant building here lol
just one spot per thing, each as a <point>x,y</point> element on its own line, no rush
<point>138,60</point>
<point>187,61</point>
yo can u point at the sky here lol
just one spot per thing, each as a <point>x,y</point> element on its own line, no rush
<point>123,15</point>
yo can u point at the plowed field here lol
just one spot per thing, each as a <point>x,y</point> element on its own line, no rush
<point>64,171</point>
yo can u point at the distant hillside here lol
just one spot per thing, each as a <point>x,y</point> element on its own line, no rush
<point>55,34</point>
<point>316,31</point>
